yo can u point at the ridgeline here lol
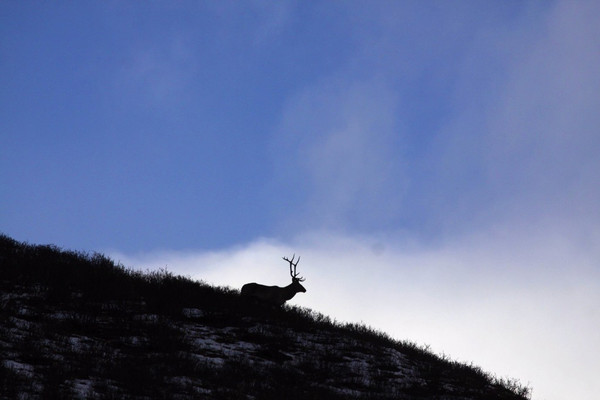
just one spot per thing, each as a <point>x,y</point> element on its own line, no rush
<point>77,325</point>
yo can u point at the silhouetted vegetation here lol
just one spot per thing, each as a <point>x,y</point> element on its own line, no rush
<point>76,325</point>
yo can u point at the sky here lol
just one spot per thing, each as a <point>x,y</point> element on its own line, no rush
<point>435,164</point>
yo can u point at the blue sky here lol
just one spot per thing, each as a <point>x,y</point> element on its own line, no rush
<point>440,158</point>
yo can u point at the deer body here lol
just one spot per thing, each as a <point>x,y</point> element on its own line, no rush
<point>274,294</point>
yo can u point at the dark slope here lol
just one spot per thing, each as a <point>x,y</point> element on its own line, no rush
<point>75,325</point>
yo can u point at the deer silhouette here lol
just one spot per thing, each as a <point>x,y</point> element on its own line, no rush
<point>274,294</point>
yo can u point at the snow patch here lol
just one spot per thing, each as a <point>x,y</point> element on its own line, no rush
<point>192,313</point>
<point>20,368</point>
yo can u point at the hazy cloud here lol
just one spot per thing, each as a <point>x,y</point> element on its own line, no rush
<point>261,20</point>
<point>511,172</point>
<point>509,302</point>
<point>542,137</point>
<point>274,17</point>
<point>520,140</point>
<point>344,140</point>
<point>156,75</point>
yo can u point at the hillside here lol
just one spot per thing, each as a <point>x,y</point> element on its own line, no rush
<point>76,325</point>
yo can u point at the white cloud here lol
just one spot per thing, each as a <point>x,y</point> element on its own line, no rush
<point>519,305</point>
<point>518,293</point>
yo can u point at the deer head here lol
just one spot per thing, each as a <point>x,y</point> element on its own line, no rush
<point>295,279</point>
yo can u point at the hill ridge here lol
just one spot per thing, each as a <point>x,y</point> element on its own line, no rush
<point>77,325</point>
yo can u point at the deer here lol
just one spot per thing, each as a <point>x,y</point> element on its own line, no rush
<point>276,295</point>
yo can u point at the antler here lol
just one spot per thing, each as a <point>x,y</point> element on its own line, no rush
<point>294,274</point>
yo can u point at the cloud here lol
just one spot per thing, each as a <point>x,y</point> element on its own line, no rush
<point>343,139</point>
<point>525,149</point>
<point>519,305</point>
<point>261,21</point>
<point>542,133</point>
<point>509,176</point>
<point>274,18</point>
<point>156,75</point>
<point>504,129</point>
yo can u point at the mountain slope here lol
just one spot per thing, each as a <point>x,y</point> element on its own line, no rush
<point>74,325</point>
